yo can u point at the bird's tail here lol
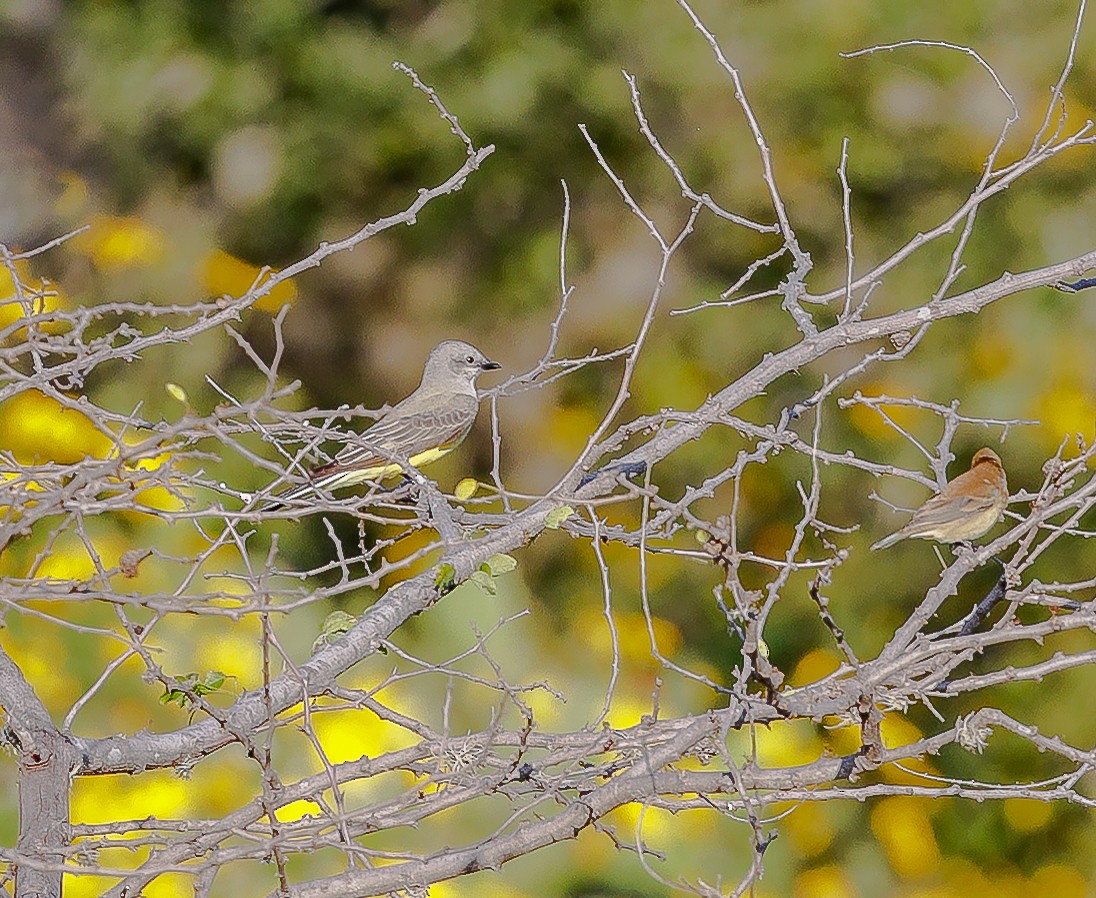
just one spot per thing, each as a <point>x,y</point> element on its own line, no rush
<point>295,494</point>
<point>887,541</point>
<point>280,501</point>
<point>324,484</point>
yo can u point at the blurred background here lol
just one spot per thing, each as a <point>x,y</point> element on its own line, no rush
<point>204,141</point>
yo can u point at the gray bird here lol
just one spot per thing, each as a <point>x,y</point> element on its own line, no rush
<point>422,428</point>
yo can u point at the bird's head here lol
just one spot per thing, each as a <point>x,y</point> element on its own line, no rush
<point>985,455</point>
<point>455,363</point>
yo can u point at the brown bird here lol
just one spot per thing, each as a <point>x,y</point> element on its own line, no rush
<point>964,509</point>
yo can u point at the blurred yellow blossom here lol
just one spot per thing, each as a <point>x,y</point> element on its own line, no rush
<point>903,829</point>
<point>114,243</point>
<point>223,274</point>
<point>37,296</point>
<point>823,882</point>
<point>1066,409</point>
<point>38,429</point>
<point>810,828</point>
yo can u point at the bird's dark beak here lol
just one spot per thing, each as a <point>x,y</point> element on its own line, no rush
<point>488,365</point>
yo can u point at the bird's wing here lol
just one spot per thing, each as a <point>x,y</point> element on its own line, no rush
<point>439,421</point>
<point>942,509</point>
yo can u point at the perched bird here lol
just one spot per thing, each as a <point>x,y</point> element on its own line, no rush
<point>964,509</point>
<point>422,428</point>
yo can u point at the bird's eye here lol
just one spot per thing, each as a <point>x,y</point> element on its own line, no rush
<point>469,359</point>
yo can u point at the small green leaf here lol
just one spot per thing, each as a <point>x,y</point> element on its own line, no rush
<point>499,564</point>
<point>173,697</point>
<point>466,489</point>
<point>336,625</point>
<point>176,392</point>
<point>557,516</point>
<point>211,682</point>
<point>191,685</point>
<point>483,580</point>
<point>443,580</point>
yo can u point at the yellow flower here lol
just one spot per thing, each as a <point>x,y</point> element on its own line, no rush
<point>224,274</point>
<point>114,243</point>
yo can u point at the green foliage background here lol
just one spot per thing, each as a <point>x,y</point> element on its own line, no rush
<point>257,130</point>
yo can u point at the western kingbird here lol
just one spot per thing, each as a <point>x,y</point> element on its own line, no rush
<point>964,509</point>
<point>421,428</point>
